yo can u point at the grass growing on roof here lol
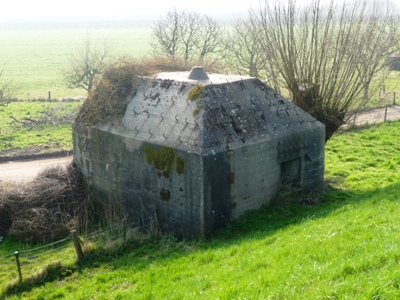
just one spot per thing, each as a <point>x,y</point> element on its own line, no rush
<point>109,98</point>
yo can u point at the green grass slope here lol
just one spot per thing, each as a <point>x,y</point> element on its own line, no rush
<point>347,247</point>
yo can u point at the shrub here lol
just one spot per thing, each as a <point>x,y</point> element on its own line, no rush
<point>107,101</point>
<point>46,208</point>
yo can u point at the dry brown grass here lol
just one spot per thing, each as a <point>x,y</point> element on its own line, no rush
<point>149,66</point>
<point>46,208</point>
<point>108,100</point>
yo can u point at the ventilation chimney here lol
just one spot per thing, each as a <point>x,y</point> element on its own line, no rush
<point>198,73</point>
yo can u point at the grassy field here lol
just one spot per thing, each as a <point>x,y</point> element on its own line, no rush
<point>346,247</point>
<point>16,139</point>
<point>34,59</point>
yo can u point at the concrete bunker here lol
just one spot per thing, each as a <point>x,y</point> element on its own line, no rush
<point>194,151</point>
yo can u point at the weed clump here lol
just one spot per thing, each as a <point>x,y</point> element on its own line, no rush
<point>108,100</point>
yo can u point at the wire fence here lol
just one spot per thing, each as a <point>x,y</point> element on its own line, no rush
<point>48,99</point>
<point>27,263</point>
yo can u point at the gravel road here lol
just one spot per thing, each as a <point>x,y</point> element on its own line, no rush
<point>20,171</point>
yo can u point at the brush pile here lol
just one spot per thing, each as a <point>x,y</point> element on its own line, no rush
<point>45,209</point>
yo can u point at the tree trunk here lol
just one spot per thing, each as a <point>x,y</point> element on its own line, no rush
<point>307,97</point>
<point>332,123</point>
<point>366,90</point>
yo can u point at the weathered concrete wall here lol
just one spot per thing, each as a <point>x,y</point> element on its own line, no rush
<point>248,177</point>
<point>304,150</point>
<point>257,179</point>
<point>117,167</point>
<point>217,191</point>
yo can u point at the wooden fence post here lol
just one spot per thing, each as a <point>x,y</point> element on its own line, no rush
<point>394,98</point>
<point>18,266</point>
<point>384,119</point>
<point>124,229</point>
<point>77,244</point>
<point>49,95</point>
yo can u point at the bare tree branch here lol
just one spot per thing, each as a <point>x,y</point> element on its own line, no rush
<point>245,50</point>
<point>187,35</point>
<point>211,41</point>
<point>87,64</point>
<point>167,33</point>
<point>324,56</point>
<point>55,115</point>
<point>7,89</point>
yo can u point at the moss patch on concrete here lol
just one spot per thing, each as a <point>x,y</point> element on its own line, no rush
<point>165,195</point>
<point>196,92</point>
<point>196,111</point>
<point>164,160</point>
<point>180,165</point>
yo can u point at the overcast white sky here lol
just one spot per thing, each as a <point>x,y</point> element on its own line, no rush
<point>39,9</point>
<point>28,9</point>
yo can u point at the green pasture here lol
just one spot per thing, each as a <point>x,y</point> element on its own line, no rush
<point>17,139</point>
<point>343,244</point>
<point>34,59</point>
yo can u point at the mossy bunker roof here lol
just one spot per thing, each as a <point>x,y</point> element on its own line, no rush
<point>208,115</point>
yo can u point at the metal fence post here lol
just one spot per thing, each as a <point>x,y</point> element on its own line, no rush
<point>18,266</point>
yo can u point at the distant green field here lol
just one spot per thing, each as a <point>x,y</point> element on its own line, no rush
<point>34,59</point>
<point>16,139</point>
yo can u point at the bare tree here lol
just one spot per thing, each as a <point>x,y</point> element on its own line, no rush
<point>167,33</point>
<point>211,39</point>
<point>7,89</point>
<point>246,55</point>
<point>187,35</point>
<point>325,55</point>
<point>87,64</point>
<point>382,43</point>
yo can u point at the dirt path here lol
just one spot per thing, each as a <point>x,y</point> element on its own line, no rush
<point>26,170</point>
<point>377,115</point>
<point>20,171</point>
